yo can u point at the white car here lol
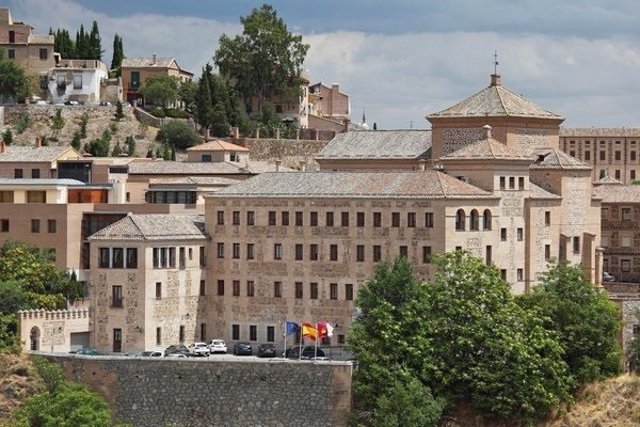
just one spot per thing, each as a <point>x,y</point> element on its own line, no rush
<point>217,346</point>
<point>199,349</point>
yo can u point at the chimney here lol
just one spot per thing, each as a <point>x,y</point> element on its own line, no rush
<point>236,132</point>
<point>487,131</point>
<point>303,165</point>
<point>154,58</point>
<point>2,146</point>
<point>345,125</point>
<point>495,80</point>
<point>38,144</point>
<point>278,162</point>
<point>423,165</point>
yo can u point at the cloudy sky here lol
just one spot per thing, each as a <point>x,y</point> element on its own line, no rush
<point>401,60</point>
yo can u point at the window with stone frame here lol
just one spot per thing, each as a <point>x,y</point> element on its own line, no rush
<point>251,288</point>
<point>313,219</point>
<point>359,253</point>
<point>426,254</point>
<point>333,291</point>
<point>235,285</point>
<point>395,219</point>
<point>348,291</point>
<point>344,219</point>
<point>220,217</point>
<point>299,219</point>
<point>313,252</point>
<point>251,218</point>
<point>377,219</point>
<point>625,265</point>
<point>333,252</point>
<point>360,219</point>
<point>428,219</point>
<point>285,218</point>
<point>377,253</point>
<point>220,251</point>
<point>298,290</point>
<point>235,218</point>
<point>277,251</point>
<point>272,218</point>
<point>220,287</point>
<point>313,290</point>
<point>299,252</point>
<point>411,219</point>
<point>328,219</point>
<point>236,251</point>
<point>626,214</point>
<point>277,289</point>
<point>250,251</point>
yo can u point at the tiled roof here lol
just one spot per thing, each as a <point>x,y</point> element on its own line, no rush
<point>428,184</point>
<point>541,193</point>
<point>36,181</point>
<point>194,180</point>
<point>600,132</point>
<point>607,180</point>
<point>496,101</point>
<point>163,167</point>
<point>551,158</point>
<point>40,39</point>
<point>17,153</point>
<point>617,193</point>
<point>217,145</point>
<point>487,149</point>
<point>379,144</point>
<point>147,62</point>
<point>154,227</point>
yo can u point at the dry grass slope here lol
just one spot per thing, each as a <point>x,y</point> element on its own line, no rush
<point>18,381</point>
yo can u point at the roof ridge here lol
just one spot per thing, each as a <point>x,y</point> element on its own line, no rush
<point>504,108</point>
<point>133,220</point>
<point>444,193</point>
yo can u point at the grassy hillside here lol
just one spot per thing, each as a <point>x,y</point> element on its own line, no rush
<point>19,380</point>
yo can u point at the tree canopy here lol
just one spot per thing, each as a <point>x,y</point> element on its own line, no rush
<point>177,134</point>
<point>160,89</point>
<point>14,82</point>
<point>118,54</point>
<point>266,60</point>
<point>87,45</point>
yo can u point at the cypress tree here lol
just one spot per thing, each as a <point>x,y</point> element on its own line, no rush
<point>118,53</point>
<point>95,44</point>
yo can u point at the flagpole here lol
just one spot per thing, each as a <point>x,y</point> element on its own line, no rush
<point>301,339</point>
<point>315,353</point>
<point>285,338</point>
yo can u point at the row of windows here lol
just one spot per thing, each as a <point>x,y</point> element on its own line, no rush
<point>330,219</point>
<point>602,155</point>
<point>18,173</point>
<point>32,197</point>
<point>512,183</point>
<point>625,214</point>
<point>617,174</point>
<point>278,290</point>
<point>43,54</point>
<point>52,225</point>
<point>474,220</point>
<point>201,290</point>
<point>117,257</point>
<point>252,333</point>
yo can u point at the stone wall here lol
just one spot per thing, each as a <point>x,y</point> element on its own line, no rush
<point>185,392</point>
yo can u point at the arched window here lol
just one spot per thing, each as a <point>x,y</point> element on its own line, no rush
<point>486,220</point>
<point>474,221</point>
<point>460,220</point>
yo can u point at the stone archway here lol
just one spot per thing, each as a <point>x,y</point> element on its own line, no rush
<point>34,339</point>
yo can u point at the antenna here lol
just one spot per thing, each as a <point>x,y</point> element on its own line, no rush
<point>495,62</point>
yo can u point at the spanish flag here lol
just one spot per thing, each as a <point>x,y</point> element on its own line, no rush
<point>309,330</point>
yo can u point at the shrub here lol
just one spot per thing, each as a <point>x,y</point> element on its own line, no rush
<point>7,137</point>
<point>24,122</point>
<point>158,112</point>
<point>119,114</point>
<point>178,134</point>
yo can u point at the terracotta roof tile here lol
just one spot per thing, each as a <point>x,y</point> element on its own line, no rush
<point>164,167</point>
<point>487,149</point>
<point>51,153</point>
<point>154,227</point>
<point>551,158</point>
<point>217,145</point>
<point>617,193</point>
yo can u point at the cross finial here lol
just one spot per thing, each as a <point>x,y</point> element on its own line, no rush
<point>495,62</point>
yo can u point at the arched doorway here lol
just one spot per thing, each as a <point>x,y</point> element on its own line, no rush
<point>34,339</point>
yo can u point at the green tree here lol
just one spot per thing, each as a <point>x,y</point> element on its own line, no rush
<point>84,120</point>
<point>204,106</point>
<point>266,60</point>
<point>118,55</point>
<point>63,44</point>
<point>188,94</point>
<point>58,121</point>
<point>117,150</point>
<point>160,90</point>
<point>7,137</point>
<point>585,319</point>
<point>130,143</point>
<point>82,44</point>
<point>76,141</point>
<point>95,43</point>
<point>119,114</point>
<point>14,82</point>
<point>178,134</point>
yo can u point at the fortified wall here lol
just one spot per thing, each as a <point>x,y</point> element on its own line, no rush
<point>199,392</point>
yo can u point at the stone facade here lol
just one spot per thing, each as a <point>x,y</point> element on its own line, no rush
<point>190,393</point>
<point>33,52</point>
<point>43,330</point>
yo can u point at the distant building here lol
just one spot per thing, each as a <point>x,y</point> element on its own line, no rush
<point>136,71</point>
<point>79,80</point>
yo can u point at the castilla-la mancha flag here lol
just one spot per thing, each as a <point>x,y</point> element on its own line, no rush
<point>309,330</point>
<point>325,329</point>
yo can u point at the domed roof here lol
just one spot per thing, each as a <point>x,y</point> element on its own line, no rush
<point>496,101</point>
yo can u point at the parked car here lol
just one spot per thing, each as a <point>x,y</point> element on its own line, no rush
<point>267,350</point>
<point>199,349</point>
<point>217,346</point>
<point>176,356</point>
<point>151,354</point>
<point>307,352</point>
<point>242,348</point>
<point>177,349</point>
<point>86,351</point>
<point>608,277</point>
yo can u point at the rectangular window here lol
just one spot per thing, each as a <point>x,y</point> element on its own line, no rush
<point>333,252</point>
<point>220,249</point>
<point>220,287</point>
<point>512,183</point>
<point>277,251</point>
<point>520,275</point>
<point>251,218</point>
<point>313,290</point>
<point>272,218</point>
<point>35,173</point>
<point>158,336</point>
<point>411,219</point>
<point>603,155</point>
<point>251,288</point>
<point>426,254</point>
<point>51,226</point>
<point>12,36</point>
<point>395,219</point>
<point>618,155</point>
<point>576,245</point>
<point>632,155</point>
<point>77,81</point>
<point>547,252</point>
<point>299,219</point>
<point>104,258</point>
<point>220,215</point>
<point>235,217</point>
<point>158,290</point>
<point>547,218</point>
<point>203,257</point>
<point>360,222</point>
<point>285,217</point>
<point>377,253</point>
<point>625,265</point>
<point>313,219</point>
<point>250,251</point>
<point>203,332</point>
<point>377,219</point>
<point>348,291</point>
<point>428,219</point>
<point>11,53</point>
<point>117,260</point>
<point>359,253</point>
<point>313,252</point>
<point>502,183</point>
<point>587,156</point>
<point>617,174</point>
<point>235,332</point>
<point>632,174</point>
<point>36,197</point>
<point>299,252</point>
<point>521,183</point>
<point>6,196</point>
<point>333,290</point>
<point>488,255</point>
<point>236,250</point>
<point>253,333</point>
<point>503,274</point>
<point>299,290</point>
<point>17,173</point>
<point>329,219</point>
<point>35,225</point>
<point>203,288</point>
<point>277,289</point>
<point>403,251</point>
<point>344,220</point>
<point>271,334</point>
<point>44,54</point>
<point>182,258</point>
<point>116,296</point>
<point>503,234</point>
<point>236,288</point>
<point>4,225</point>
<point>519,234</point>
<point>625,241</point>
<point>626,214</point>
<point>181,334</point>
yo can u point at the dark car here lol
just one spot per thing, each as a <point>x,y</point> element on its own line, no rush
<point>177,349</point>
<point>242,348</point>
<point>86,351</point>
<point>307,352</point>
<point>267,350</point>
